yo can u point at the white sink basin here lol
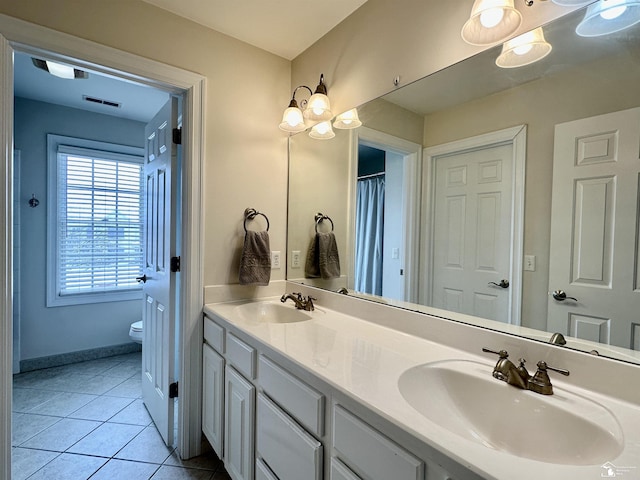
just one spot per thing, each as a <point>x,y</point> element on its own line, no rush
<point>462,397</point>
<point>271,312</point>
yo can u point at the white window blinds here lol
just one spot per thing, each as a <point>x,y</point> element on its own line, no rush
<point>100,221</point>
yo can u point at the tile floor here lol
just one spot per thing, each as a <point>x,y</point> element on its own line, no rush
<point>87,420</point>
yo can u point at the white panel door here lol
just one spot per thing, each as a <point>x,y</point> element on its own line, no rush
<point>594,228</point>
<point>472,232</point>
<point>158,347</point>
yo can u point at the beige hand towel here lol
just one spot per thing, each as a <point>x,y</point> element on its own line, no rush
<point>255,262</point>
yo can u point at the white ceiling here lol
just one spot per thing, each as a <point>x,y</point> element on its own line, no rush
<point>284,27</point>
<point>137,102</point>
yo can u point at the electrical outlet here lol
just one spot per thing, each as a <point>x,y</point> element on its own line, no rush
<point>295,259</point>
<point>530,263</point>
<point>275,260</point>
<point>395,253</point>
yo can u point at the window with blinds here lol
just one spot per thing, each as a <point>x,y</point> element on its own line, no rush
<point>99,224</point>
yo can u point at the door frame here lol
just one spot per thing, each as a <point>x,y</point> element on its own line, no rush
<point>517,137</point>
<point>412,154</point>
<point>30,38</point>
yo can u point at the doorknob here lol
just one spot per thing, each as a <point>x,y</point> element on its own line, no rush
<point>503,283</point>
<point>142,279</point>
<point>561,296</point>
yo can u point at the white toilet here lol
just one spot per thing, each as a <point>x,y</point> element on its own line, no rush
<point>135,332</point>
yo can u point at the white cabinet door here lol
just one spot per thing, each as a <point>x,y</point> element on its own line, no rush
<point>213,397</point>
<point>239,429</point>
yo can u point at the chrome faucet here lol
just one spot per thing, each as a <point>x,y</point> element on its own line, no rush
<point>300,302</point>
<point>519,377</point>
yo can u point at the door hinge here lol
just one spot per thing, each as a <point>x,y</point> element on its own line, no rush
<point>177,136</point>
<point>173,390</point>
<point>175,264</point>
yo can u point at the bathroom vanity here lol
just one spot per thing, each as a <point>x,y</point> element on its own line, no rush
<point>337,393</point>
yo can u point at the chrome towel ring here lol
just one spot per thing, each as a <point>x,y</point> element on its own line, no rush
<point>250,214</point>
<point>320,218</point>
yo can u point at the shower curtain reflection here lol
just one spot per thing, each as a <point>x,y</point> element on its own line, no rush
<point>369,234</point>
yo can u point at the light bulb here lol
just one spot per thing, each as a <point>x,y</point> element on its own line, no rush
<point>491,17</point>
<point>612,9</point>
<point>523,49</point>
<point>323,128</point>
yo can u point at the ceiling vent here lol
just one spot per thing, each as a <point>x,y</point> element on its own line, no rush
<point>108,103</point>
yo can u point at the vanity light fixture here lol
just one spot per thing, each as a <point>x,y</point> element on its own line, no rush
<point>322,131</point>
<point>292,119</point>
<point>609,16</point>
<point>347,120</point>
<point>317,109</point>
<point>571,3</point>
<point>491,21</point>
<point>524,50</point>
<point>59,70</point>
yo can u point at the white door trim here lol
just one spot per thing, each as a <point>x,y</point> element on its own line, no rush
<point>31,38</point>
<point>6,254</point>
<point>412,153</point>
<point>517,136</point>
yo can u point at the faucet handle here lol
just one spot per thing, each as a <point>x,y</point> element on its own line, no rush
<point>543,366</point>
<point>540,382</point>
<point>501,353</point>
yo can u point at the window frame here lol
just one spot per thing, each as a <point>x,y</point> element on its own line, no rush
<point>116,151</point>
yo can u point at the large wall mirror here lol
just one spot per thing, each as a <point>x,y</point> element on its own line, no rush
<point>503,197</point>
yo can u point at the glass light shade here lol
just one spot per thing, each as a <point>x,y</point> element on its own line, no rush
<point>491,21</point>
<point>524,50</point>
<point>571,3</point>
<point>292,120</point>
<point>347,120</point>
<point>318,108</point>
<point>322,131</point>
<point>61,71</point>
<point>609,16</point>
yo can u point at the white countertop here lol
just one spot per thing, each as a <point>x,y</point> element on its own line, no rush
<point>365,360</point>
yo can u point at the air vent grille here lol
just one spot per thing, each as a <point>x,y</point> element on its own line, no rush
<point>101,101</point>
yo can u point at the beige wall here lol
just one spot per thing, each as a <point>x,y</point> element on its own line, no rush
<point>384,39</point>
<point>590,90</point>
<point>247,89</point>
<point>389,118</point>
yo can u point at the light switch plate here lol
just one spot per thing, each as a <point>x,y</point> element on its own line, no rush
<point>530,263</point>
<point>295,259</point>
<point>275,260</point>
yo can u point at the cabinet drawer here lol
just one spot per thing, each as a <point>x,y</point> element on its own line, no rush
<point>369,453</point>
<point>299,400</point>
<point>263,472</point>
<point>340,472</point>
<point>241,355</point>
<point>289,451</point>
<point>214,334</point>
